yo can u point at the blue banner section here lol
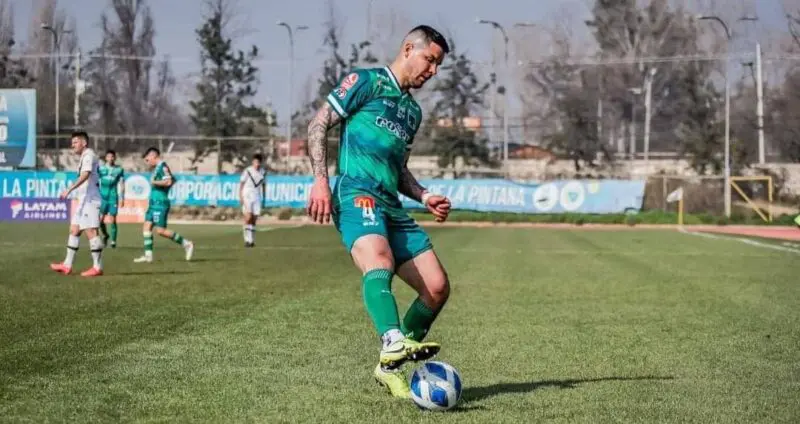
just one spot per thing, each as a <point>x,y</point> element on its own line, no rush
<point>576,196</point>
<point>18,128</point>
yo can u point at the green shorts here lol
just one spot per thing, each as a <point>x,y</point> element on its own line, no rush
<point>157,215</point>
<point>109,207</point>
<point>359,212</point>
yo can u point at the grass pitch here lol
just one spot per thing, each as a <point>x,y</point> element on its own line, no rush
<point>544,325</point>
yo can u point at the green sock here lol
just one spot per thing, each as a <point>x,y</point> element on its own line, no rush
<point>103,229</point>
<point>177,238</point>
<point>418,320</point>
<point>148,242</point>
<point>376,288</point>
<point>114,232</point>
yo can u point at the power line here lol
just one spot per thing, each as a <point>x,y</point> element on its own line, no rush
<point>570,61</point>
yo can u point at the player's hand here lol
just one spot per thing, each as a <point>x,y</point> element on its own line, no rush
<point>319,202</point>
<point>64,194</point>
<point>439,206</point>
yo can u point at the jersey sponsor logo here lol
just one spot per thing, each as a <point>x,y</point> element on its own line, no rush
<point>412,121</point>
<point>393,127</point>
<point>349,81</point>
<point>401,112</point>
<point>388,103</point>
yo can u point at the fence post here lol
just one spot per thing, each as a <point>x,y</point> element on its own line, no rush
<point>219,155</point>
<point>664,193</point>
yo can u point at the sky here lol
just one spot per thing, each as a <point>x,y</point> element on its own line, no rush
<point>176,21</point>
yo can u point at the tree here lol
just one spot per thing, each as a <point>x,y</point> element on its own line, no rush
<point>127,86</point>
<point>227,85</point>
<point>579,136</point>
<point>458,95</point>
<point>336,65</point>
<point>13,72</point>
<point>42,42</point>
<point>701,131</point>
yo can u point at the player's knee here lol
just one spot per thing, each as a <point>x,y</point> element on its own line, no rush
<point>372,252</point>
<point>439,289</point>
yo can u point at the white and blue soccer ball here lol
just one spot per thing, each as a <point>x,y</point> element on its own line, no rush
<point>436,386</point>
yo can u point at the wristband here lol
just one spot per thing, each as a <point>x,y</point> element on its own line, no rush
<point>425,196</point>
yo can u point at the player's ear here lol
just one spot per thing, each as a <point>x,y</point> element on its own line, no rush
<point>408,47</point>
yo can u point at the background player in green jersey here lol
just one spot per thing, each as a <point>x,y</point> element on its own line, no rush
<point>379,120</point>
<point>155,219</point>
<point>112,192</point>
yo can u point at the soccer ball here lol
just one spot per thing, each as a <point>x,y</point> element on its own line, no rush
<point>436,386</point>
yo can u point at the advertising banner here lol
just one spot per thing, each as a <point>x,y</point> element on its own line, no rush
<point>18,128</point>
<point>486,195</point>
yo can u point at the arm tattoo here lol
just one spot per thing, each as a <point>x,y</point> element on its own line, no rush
<point>408,185</point>
<point>324,120</point>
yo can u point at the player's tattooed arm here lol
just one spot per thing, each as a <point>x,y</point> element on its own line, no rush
<point>325,119</point>
<point>408,184</point>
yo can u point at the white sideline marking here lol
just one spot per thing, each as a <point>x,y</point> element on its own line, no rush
<point>751,242</point>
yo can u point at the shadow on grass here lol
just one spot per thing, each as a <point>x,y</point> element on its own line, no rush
<point>474,394</point>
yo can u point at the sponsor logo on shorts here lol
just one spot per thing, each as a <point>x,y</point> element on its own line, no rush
<point>365,202</point>
<point>33,210</point>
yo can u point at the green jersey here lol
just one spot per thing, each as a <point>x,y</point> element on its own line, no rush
<point>379,122</point>
<point>110,178</point>
<point>159,196</point>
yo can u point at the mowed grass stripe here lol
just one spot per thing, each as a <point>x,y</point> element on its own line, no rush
<point>544,326</point>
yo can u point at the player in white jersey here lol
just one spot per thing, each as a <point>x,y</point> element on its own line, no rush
<point>86,212</point>
<point>251,194</point>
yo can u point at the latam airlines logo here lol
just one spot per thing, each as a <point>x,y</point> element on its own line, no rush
<point>34,210</point>
<point>16,208</point>
<point>393,127</point>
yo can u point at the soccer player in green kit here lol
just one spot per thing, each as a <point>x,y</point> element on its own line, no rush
<point>112,192</point>
<point>155,219</point>
<point>379,119</point>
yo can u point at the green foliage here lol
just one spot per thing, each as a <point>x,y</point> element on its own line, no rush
<point>226,88</point>
<point>458,94</point>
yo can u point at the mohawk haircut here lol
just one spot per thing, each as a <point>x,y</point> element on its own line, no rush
<point>428,35</point>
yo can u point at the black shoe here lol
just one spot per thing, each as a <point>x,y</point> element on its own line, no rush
<point>249,244</point>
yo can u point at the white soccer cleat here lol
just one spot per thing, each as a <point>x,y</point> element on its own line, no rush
<point>189,247</point>
<point>142,259</point>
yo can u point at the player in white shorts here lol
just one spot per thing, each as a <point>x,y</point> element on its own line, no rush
<point>251,194</point>
<point>86,213</point>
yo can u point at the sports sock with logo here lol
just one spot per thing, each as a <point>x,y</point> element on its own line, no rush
<point>418,320</point>
<point>376,288</point>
